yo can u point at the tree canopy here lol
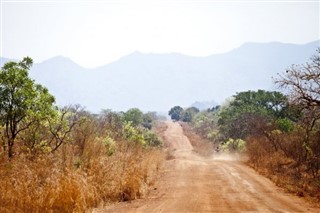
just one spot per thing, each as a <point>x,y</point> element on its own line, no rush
<point>22,101</point>
<point>175,113</point>
<point>134,115</point>
<point>238,120</point>
<point>188,114</point>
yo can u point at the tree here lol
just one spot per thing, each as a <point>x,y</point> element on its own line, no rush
<point>175,113</point>
<point>22,101</point>
<point>303,82</point>
<point>134,115</point>
<point>147,119</point>
<point>188,114</point>
<point>303,85</point>
<point>250,111</point>
<point>205,124</point>
<point>111,122</point>
<point>61,125</point>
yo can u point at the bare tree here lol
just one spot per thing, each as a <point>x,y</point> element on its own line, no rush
<point>303,83</point>
<point>62,125</point>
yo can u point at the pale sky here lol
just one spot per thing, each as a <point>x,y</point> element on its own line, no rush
<point>94,33</point>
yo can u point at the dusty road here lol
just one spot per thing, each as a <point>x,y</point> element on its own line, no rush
<point>191,183</point>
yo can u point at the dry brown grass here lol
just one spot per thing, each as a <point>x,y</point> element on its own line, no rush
<point>200,145</point>
<point>159,128</point>
<point>61,182</point>
<point>284,171</point>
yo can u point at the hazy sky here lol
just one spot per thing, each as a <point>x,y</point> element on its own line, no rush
<point>93,33</point>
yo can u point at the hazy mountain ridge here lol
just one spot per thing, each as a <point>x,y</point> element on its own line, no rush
<point>159,81</point>
<point>204,105</point>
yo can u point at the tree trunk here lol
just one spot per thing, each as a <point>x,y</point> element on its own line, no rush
<point>10,149</point>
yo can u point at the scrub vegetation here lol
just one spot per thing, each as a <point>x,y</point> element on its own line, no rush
<point>67,159</point>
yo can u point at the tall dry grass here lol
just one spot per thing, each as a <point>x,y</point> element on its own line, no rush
<point>159,128</point>
<point>285,160</point>
<point>200,145</point>
<point>64,182</point>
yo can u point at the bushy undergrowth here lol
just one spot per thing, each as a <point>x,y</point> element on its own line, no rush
<point>288,161</point>
<point>62,182</point>
<point>99,159</point>
<point>159,129</point>
<point>232,145</point>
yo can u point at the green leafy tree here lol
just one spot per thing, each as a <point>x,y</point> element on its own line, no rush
<point>22,101</point>
<point>175,113</point>
<point>250,112</point>
<point>134,115</point>
<point>188,114</point>
<point>205,124</point>
<point>147,120</point>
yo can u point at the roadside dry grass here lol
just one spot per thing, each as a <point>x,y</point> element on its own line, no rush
<point>62,182</point>
<point>200,145</point>
<point>284,171</point>
<point>159,128</point>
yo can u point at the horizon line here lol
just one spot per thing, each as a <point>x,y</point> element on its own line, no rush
<point>158,53</point>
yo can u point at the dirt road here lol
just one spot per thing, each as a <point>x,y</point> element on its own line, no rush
<point>191,183</point>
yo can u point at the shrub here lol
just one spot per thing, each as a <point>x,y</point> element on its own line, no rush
<point>234,145</point>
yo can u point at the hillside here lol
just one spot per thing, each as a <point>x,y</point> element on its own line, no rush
<point>158,81</point>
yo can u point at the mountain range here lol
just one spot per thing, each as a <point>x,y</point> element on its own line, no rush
<point>156,82</point>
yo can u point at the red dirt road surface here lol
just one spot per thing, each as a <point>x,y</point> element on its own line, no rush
<point>191,183</point>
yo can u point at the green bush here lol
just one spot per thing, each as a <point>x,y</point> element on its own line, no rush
<point>234,145</point>
<point>285,125</point>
